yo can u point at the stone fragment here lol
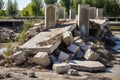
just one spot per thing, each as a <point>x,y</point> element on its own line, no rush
<point>91,55</point>
<point>19,57</point>
<point>73,48</point>
<point>63,56</point>
<point>91,66</point>
<point>41,58</point>
<point>61,67</point>
<point>76,38</point>
<point>73,72</point>
<point>84,48</point>
<point>32,75</point>
<point>79,42</point>
<point>79,55</point>
<point>68,37</point>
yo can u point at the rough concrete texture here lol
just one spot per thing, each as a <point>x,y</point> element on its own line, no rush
<point>50,16</point>
<point>68,37</point>
<point>61,67</point>
<point>76,38</point>
<point>91,66</point>
<point>79,42</point>
<point>19,57</point>
<point>91,55</point>
<point>73,48</point>
<point>83,19</point>
<point>72,14</point>
<point>63,56</point>
<point>61,13</point>
<point>41,58</point>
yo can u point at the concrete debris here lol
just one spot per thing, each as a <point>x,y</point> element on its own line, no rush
<point>32,75</point>
<point>19,57</point>
<point>41,58</point>
<point>61,67</point>
<point>91,55</point>
<point>73,48</point>
<point>79,42</point>
<point>79,55</point>
<point>76,38</point>
<point>73,72</point>
<point>91,66</point>
<point>84,48</point>
<point>68,37</point>
<point>63,56</point>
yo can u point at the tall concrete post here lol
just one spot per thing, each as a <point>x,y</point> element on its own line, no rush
<point>92,12</point>
<point>50,16</point>
<point>72,14</point>
<point>61,13</point>
<point>83,19</point>
<point>99,13</point>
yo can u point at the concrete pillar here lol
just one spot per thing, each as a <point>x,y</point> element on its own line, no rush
<point>72,14</point>
<point>61,13</point>
<point>99,13</point>
<point>83,19</point>
<point>92,12</point>
<point>50,16</point>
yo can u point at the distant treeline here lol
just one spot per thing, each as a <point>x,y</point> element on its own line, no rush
<point>36,7</point>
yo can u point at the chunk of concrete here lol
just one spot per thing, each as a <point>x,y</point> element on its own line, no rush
<point>90,66</point>
<point>68,37</point>
<point>41,58</point>
<point>19,57</point>
<point>84,48</point>
<point>79,42</point>
<point>63,56</point>
<point>73,48</point>
<point>91,55</point>
<point>76,38</point>
<point>61,67</point>
<point>79,55</point>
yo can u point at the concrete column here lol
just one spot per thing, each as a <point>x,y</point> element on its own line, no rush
<point>99,13</point>
<point>61,13</point>
<point>50,16</point>
<point>83,19</point>
<point>92,12</point>
<point>72,14</point>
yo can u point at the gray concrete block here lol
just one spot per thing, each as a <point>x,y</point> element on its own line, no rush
<point>41,58</point>
<point>73,48</point>
<point>19,57</point>
<point>63,56</point>
<point>61,67</point>
<point>79,42</point>
<point>91,55</point>
<point>68,37</point>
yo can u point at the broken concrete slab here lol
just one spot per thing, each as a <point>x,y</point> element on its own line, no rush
<point>73,48</point>
<point>41,58</point>
<point>19,57</point>
<point>63,56</point>
<point>91,55</point>
<point>84,47</point>
<point>91,66</point>
<point>79,42</point>
<point>61,67</point>
<point>68,37</point>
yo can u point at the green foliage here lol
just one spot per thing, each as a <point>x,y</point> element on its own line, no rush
<point>50,1</point>
<point>2,4</point>
<point>9,50</point>
<point>12,8</point>
<point>33,9</point>
<point>66,4</point>
<point>75,4</point>
<point>2,12</point>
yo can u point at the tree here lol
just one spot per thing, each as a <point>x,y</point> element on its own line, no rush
<point>2,4</point>
<point>75,4</point>
<point>12,8</point>
<point>66,4</point>
<point>50,1</point>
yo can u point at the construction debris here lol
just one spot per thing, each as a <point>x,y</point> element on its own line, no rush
<point>73,72</point>
<point>41,58</point>
<point>73,48</point>
<point>63,56</point>
<point>61,67</point>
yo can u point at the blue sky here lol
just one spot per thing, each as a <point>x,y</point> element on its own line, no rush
<point>21,3</point>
